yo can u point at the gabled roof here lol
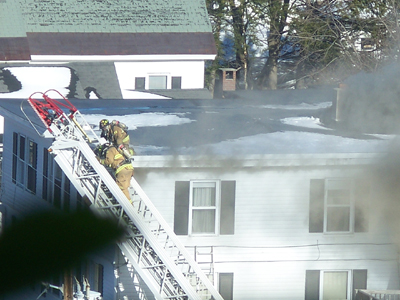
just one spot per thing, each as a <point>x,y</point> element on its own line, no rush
<point>103,27</point>
<point>115,16</point>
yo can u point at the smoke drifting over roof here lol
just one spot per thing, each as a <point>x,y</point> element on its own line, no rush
<point>372,101</point>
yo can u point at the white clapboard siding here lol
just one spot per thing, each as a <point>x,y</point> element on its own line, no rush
<point>272,247</point>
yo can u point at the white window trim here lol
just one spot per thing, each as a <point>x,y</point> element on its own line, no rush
<point>349,282</point>
<point>351,224</point>
<point>217,207</point>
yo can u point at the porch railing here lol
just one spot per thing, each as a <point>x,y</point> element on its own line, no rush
<point>378,294</point>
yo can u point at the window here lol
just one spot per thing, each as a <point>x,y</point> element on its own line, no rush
<point>24,167</point>
<point>338,205</point>
<point>225,285</point>
<point>334,284</point>
<point>56,185</point>
<point>98,278</point>
<point>140,83</point>
<point>176,82</point>
<point>157,82</point>
<point>204,207</point>
<point>229,75</point>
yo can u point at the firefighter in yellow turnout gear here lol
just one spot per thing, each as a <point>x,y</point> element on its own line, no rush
<point>116,133</point>
<point>109,156</point>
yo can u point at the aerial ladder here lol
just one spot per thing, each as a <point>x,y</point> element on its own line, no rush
<point>150,245</point>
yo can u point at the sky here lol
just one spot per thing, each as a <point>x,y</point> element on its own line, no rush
<point>41,79</point>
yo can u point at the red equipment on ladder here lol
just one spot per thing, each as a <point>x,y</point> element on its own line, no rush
<point>152,247</point>
<point>50,109</point>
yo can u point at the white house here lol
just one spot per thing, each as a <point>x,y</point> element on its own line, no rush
<point>279,206</point>
<point>115,49</point>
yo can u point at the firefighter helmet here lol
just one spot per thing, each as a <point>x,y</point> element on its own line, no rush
<point>103,123</point>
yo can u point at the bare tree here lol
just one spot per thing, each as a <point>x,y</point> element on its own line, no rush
<point>340,38</point>
<point>278,14</point>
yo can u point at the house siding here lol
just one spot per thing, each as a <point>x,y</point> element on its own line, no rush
<point>17,198</point>
<point>191,72</point>
<point>272,246</point>
<point>18,202</point>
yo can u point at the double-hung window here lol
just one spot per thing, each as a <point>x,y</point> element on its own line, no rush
<point>204,207</point>
<point>24,167</point>
<point>338,205</point>
<point>339,202</point>
<point>334,284</point>
<point>56,187</point>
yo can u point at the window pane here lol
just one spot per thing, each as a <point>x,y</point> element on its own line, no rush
<point>338,197</point>
<point>338,184</point>
<point>22,147</point>
<point>338,219</point>
<point>14,169</point>
<point>32,154</point>
<point>157,82</point>
<point>31,184</point>
<point>45,173</point>
<point>98,278</point>
<point>15,143</point>
<point>176,82</point>
<point>335,286</point>
<point>203,221</point>
<point>203,196</point>
<point>226,285</point>
<point>139,83</point>
<point>20,171</point>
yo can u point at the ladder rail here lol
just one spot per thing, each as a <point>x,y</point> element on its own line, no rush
<point>150,244</point>
<point>86,188</point>
<point>182,264</point>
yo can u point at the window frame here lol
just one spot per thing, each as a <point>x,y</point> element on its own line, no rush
<point>164,76</point>
<point>350,183</point>
<point>24,162</point>
<point>56,186</point>
<point>216,207</point>
<point>348,286</point>
<point>356,279</point>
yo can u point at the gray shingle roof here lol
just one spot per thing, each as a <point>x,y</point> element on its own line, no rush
<point>114,15</point>
<point>103,27</point>
<point>11,20</point>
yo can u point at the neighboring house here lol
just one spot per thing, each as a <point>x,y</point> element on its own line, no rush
<point>113,49</point>
<point>278,205</point>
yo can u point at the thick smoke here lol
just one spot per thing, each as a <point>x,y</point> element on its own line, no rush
<point>371,101</point>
